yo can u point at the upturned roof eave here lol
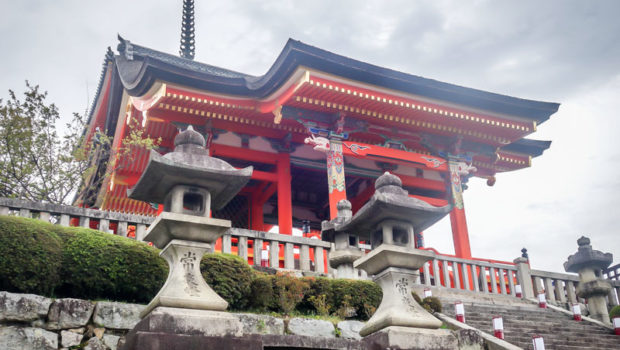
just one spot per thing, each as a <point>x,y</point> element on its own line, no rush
<point>160,66</point>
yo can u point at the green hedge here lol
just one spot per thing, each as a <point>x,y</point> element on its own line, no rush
<point>41,258</point>
<point>30,256</point>
<point>230,277</point>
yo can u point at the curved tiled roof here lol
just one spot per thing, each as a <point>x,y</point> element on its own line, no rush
<point>139,67</point>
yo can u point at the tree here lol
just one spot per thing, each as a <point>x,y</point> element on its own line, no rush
<point>36,163</point>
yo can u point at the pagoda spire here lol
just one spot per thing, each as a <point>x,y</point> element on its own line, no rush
<point>187,30</point>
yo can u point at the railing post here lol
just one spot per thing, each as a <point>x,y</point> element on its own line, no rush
<point>446,273</point>
<point>65,220</point>
<point>44,216</point>
<point>4,210</point>
<point>274,254</point>
<point>427,273</point>
<point>570,292</point>
<point>258,251</point>
<point>104,225</point>
<point>140,231</point>
<point>538,285</point>
<point>304,257</point>
<point>226,243</point>
<point>502,281</point>
<point>524,277</point>
<point>456,273</point>
<point>559,291</point>
<point>493,272</point>
<point>474,277</point>
<point>121,229</point>
<point>436,274</point>
<point>549,290</point>
<point>318,260</point>
<point>511,281</point>
<point>289,256</point>
<point>466,273</point>
<point>84,221</point>
<point>242,248</point>
<point>25,213</point>
<point>483,279</point>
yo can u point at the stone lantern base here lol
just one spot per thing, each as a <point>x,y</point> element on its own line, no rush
<point>185,240</point>
<point>396,270</point>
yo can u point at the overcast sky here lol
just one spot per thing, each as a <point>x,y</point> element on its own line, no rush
<point>556,51</point>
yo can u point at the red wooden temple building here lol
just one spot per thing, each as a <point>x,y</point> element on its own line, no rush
<point>317,127</point>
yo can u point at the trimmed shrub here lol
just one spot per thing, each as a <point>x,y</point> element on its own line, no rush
<point>360,293</point>
<point>262,296</point>
<point>614,312</point>
<point>30,256</point>
<point>98,265</point>
<point>433,303</point>
<point>317,286</point>
<point>290,291</point>
<point>230,277</point>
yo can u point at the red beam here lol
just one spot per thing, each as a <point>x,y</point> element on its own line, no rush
<point>243,154</point>
<point>438,202</point>
<point>419,182</point>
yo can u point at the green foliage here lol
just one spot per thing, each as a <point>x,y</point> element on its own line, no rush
<point>261,295</point>
<point>433,303</point>
<point>99,265</point>
<point>36,162</point>
<point>320,304</point>
<point>30,256</point>
<point>230,277</point>
<point>289,291</point>
<point>614,312</point>
<point>38,257</point>
<point>360,292</point>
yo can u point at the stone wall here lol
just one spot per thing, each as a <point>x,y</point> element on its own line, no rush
<point>29,321</point>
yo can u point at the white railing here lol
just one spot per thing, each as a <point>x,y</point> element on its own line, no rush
<point>560,288</point>
<point>473,275</point>
<point>65,215</point>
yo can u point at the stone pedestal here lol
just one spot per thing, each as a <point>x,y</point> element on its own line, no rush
<point>396,270</point>
<point>185,286</point>
<point>405,338</point>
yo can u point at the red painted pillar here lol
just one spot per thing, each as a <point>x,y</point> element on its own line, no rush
<point>460,235</point>
<point>256,213</point>
<point>335,176</point>
<point>285,204</point>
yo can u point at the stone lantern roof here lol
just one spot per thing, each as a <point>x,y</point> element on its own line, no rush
<point>189,164</point>
<point>391,201</point>
<point>587,257</point>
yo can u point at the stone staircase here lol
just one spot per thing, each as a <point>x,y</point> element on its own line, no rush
<point>522,321</point>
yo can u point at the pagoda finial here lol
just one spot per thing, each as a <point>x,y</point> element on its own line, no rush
<point>187,30</point>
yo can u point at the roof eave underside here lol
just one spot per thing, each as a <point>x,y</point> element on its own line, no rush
<point>156,65</point>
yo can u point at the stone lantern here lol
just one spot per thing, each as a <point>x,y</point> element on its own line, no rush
<point>188,182</point>
<point>589,263</point>
<point>346,246</point>
<point>389,220</point>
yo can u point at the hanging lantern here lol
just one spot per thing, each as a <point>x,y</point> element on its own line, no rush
<point>459,311</point>
<point>428,292</point>
<point>542,300</point>
<point>498,327</point>
<point>539,342</point>
<point>518,291</point>
<point>576,312</point>
<point>616,322</point>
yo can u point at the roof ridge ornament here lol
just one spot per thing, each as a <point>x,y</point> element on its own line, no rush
<point>187,31</point>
